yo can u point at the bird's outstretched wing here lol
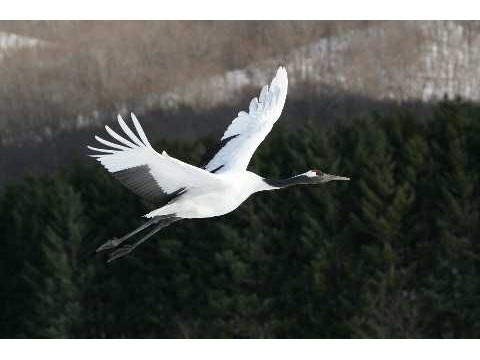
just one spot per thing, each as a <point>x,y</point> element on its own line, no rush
<point>248,130</point>
<point>156,177</point>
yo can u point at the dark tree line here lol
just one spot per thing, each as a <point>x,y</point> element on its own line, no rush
<point>393,253</point>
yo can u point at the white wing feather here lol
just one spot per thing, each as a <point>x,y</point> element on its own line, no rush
<point>248,130</point>
<point>168,173</point>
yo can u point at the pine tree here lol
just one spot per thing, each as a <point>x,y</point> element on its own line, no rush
<point>456,219</point>
<point>379,224</point>
<point>46,230</point>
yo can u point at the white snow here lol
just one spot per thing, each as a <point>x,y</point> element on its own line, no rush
<point>11,41</point>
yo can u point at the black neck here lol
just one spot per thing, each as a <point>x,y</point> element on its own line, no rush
<point>283,183</point>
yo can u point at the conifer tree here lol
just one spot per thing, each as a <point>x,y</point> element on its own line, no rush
<point>456,219</point>
<point>47,221</point>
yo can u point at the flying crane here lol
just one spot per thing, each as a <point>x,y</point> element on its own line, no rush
<point>183,191</point>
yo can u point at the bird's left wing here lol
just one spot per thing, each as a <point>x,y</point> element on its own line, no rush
<point>248,130</point>
<point>153,176</point>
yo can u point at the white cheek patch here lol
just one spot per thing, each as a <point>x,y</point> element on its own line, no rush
<point>311,173</point>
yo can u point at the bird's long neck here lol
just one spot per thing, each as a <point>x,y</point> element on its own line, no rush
<point>283,183</point>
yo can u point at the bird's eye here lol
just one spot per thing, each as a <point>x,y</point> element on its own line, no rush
<point>318,172</point>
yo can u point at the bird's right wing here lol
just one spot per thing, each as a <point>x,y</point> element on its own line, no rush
<point>248,130</point>
<point>153,176</point>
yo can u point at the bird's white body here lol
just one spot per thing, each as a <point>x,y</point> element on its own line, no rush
<point>227,192</point>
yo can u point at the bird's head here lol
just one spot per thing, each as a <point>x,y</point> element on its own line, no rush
<point>318,176</point>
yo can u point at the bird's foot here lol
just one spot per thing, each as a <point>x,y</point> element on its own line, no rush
<point>122,251</point>
<point>109,244</point>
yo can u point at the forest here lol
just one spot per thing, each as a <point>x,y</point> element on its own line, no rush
<point>394,253</point>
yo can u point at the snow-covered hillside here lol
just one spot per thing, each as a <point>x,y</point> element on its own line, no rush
<point>396,60</point>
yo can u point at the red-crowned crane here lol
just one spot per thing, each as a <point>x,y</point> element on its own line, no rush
<point>183,191</point>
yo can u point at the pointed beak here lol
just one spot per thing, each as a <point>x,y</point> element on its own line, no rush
<point>328,177</point>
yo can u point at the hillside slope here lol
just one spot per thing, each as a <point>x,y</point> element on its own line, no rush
<point>52,97</point>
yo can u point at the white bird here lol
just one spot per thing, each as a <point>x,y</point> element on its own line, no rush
<point>183,191</point>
